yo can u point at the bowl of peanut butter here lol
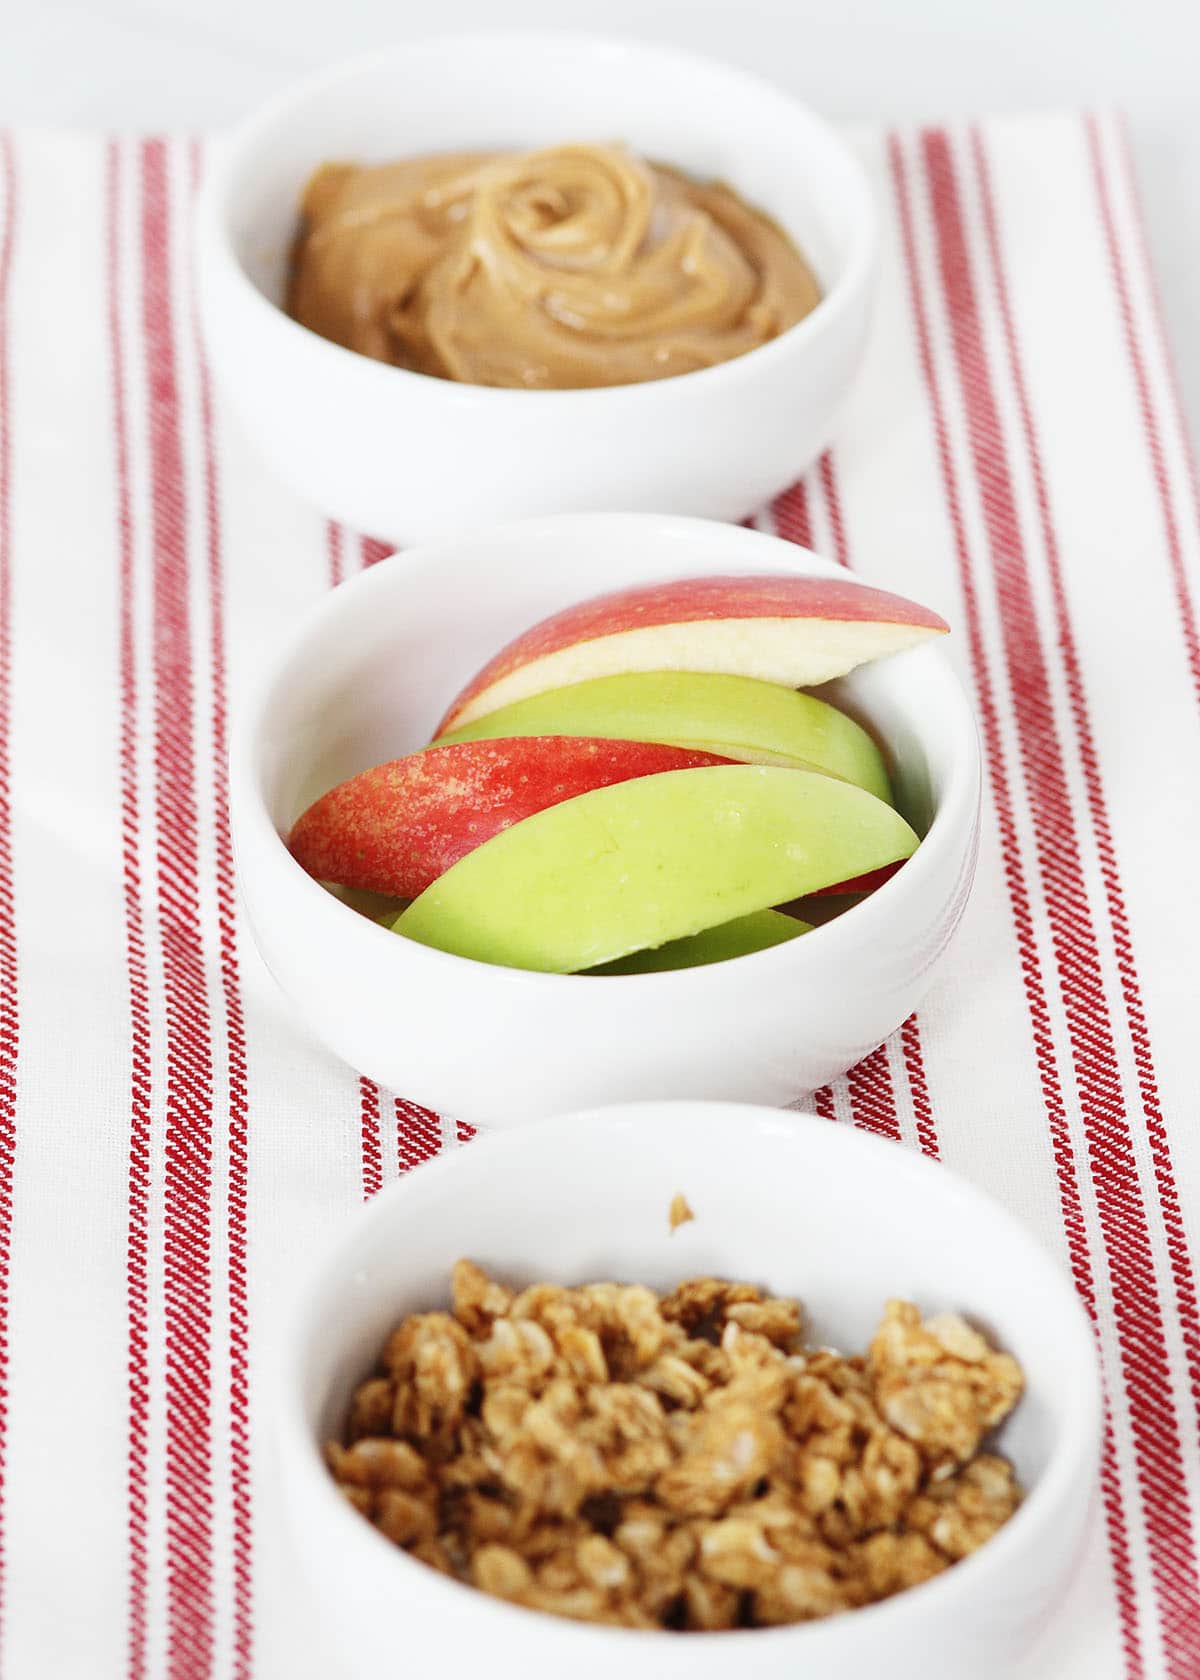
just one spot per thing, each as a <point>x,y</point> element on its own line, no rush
<point>566,268</point>
<point>479,277</point>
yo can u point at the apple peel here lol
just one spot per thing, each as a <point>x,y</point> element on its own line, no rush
<point>797,631</point>
<point>395,828</point>
<point>736,717</point>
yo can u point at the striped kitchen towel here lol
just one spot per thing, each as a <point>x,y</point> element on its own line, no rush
<point>171,1144</point>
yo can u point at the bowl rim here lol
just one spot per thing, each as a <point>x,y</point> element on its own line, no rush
<point>955,815</point>
<point>216,245</point>
<point>1076,1449</point>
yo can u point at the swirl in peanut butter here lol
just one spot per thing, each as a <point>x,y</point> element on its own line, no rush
<point>556,269</point>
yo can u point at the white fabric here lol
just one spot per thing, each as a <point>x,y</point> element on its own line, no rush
<point>1060,450</point>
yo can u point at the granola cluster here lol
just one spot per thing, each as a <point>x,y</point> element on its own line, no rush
<point>677,1461</point>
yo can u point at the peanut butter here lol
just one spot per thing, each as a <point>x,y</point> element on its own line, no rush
<point>577,266</point>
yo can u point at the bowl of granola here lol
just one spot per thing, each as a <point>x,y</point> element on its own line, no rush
<point>583,1392</point>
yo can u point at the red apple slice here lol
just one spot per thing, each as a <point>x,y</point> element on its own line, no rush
<point>864,883</point>
<point>820,907</point>
<point>798,631</point>
<point>396,828</point>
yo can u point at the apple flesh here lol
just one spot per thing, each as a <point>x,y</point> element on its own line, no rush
<point>647,861</point>
<point>798,631</point>
<point>394,829</point>
<point>740,718</point>
<point>757,932</point>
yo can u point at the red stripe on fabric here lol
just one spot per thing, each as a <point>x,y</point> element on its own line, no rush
<point>418,1134</point>
<point>463,1131</point>
<point>791,514</point>
<point>872,1092</point>
<point>187,1257</point>
<point>1074,1225</point>
<point>1097,805</point>
<point>1150,421</point>
<point>373,551</point>
<point>1172,1213</point>
<point>873,1096</point>
<point>918,1086</point>
<point>333,552</point>
<point>237,1169</point>
<point>1122,1213</point>
<point>833,505</point>
<point>372,1142</point>
<point>10,1025</point>
<point>137,1224</point>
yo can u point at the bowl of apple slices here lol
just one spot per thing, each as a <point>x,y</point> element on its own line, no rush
<point>606,807</point>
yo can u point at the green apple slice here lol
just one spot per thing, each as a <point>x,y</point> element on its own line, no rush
<point>735,717</point>
<point>639,863</point>
<point>757,932</point>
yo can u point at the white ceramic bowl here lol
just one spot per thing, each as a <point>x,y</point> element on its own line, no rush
<point>404,456</point>
<point>366,677</point>
<point>807,1208</point>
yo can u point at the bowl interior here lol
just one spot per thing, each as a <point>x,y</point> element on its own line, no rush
<point>381,659</point>
<point>841,1220</point>
<point>516,92</point>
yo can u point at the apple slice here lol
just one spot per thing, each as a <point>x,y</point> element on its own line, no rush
<point>738,717</point>
<point>864,883</point>
<point>798,631</point>
<point>660,858</point>
<point>396,828</point>
<point>757,932</point>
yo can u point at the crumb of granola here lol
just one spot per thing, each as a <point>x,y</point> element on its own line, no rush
<point>939,1382</point>
<point>679,1212</point>
<point>678,1461</point>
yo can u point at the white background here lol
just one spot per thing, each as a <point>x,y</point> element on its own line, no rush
<point>197,64</point>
